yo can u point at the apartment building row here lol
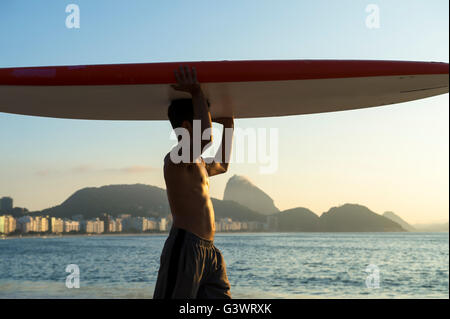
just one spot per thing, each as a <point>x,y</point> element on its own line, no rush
<point>108,224</point>
<point>25,224</point>
<point>143,224</point>
<point>40,224</point>
<point>227,225</point>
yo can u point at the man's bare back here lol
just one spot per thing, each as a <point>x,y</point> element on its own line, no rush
<point>188,193</point>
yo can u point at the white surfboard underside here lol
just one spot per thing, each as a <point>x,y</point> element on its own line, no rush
<point>241,99</point>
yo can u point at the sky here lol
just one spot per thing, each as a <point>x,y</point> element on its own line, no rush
<point>390,158</point>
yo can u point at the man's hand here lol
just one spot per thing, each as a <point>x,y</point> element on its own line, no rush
<point>186,80</point>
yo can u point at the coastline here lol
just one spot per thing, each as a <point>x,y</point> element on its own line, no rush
<point>82,235</point>
<point>121,234</point>
<point>49,236</point>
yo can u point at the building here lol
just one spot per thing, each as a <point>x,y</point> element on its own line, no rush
<point>227,224</point>
<point>71,226</point>
<point>126,222</point>
<point>45,225</point>
<point>114,225</point>
<point>146,224</point>
<point>95,226</point>
<point>36,224</point>
<point>140,224</point>
<point>57,225</point>
<point>255,226</point>
<point>6,204</point>
<point>40,224</point>
<point>143,224</point>
<point>137,224</point>
<point>162,224</point>
<point>7,224</point>
<point>12,224</point>
<point>26,224</point>
<point>108,222</point>
<point>152,224</point>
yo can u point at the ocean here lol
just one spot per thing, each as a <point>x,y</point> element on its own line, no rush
<point>259,265</point>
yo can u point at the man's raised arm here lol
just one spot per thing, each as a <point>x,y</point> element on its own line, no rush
<point>219,164</point>
<point>187,81</point>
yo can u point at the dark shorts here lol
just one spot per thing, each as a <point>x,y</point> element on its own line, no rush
<point>191,267</point>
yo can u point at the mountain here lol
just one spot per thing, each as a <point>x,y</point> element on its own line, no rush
<point>436,227</point>
<point>356,218</point>
<point>239,189</point>
<point>346,218</point>
<point>235,211</point>
<point>297,219</point>
<point>136,200</point>
<point>151,201</point>
<point>399,221</point>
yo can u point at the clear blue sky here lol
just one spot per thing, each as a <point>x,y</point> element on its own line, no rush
<point>390,158</point>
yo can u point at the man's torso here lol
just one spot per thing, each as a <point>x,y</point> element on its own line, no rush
<point>188,193</point>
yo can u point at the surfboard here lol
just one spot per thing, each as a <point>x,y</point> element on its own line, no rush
<point>244,89</point>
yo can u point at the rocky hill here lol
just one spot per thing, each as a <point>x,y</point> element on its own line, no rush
<point>392,216</point>
<point>241,190</point>
<point>356,218</point>
<point>136,200</point>
<point>298,220</point>
<point>151,201</point>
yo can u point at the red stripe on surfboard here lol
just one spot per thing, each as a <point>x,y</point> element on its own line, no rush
<point>215,71</point>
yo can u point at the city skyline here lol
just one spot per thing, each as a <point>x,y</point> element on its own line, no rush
<point>390,158</point>
<point>272,217</point>
<point>107,224</point>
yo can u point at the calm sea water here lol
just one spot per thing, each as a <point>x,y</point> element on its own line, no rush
<point>271,265</point>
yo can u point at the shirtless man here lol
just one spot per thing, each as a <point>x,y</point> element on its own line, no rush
<point>190,265</point>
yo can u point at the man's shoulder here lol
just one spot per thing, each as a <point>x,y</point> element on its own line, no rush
<point>168,160</point>
<point>169,163</point>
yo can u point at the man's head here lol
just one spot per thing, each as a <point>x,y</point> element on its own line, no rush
<point>181,113</point>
